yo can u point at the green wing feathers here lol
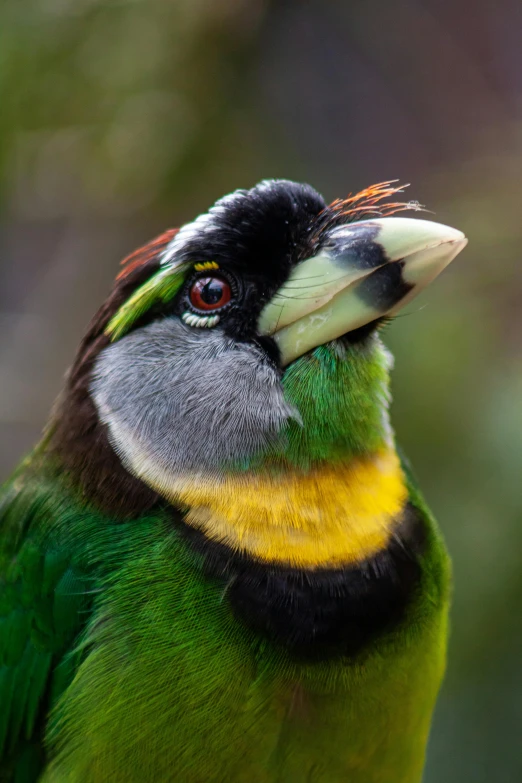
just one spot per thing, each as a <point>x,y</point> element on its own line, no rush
<point>44,601</point>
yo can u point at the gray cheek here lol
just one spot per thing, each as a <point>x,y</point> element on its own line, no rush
<point>191,399</point>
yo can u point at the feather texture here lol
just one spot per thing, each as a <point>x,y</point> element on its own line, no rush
<point>244,710</point>
<point>43,604</point>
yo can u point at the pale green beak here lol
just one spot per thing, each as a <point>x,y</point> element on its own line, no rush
<point>362,272</point>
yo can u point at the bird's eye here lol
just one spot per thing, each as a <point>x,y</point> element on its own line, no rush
<point>210,293</point>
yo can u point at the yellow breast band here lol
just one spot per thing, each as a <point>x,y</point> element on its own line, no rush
<point>331,516</point>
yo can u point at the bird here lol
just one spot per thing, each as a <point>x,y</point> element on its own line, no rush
<point>216,565</point>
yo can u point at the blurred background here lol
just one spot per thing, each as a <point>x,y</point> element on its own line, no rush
<point>119,118</point>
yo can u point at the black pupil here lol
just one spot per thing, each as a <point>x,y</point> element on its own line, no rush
<point>212,292</point>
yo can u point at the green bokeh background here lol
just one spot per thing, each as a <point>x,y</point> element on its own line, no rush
<point>119,118</point>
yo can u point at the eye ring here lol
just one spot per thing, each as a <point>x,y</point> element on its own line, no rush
<point>209,293</point>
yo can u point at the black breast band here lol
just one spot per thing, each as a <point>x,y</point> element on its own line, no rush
<point>319,613</point>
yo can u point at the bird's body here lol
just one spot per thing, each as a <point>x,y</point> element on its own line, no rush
<point>215,566</point>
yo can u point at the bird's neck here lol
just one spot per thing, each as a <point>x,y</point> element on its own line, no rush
<point>331,492</point>
<point>340,393</point>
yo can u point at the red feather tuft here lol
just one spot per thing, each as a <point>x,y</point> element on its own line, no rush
<point>146,252</point>
<point>368,201</point>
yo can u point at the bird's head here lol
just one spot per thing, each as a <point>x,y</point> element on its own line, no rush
<point>247,340</point>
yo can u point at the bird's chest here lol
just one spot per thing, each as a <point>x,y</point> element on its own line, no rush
<point>175,686</point>
<point>217,707</point>
<point>317,563</point>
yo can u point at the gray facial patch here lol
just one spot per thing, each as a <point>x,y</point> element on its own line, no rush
<point>190,400</point>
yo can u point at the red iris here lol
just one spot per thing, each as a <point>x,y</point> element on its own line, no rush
<point>210,293</point>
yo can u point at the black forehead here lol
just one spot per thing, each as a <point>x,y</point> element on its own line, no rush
<point>260,233</point>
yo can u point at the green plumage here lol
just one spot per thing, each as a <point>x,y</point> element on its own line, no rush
<point>160,289</point>
<point>43,605</point>
<point>243,711</point>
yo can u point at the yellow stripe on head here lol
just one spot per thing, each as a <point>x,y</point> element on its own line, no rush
<point>205,265</point>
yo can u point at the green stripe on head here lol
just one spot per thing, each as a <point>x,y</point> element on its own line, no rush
<point>161,288</point>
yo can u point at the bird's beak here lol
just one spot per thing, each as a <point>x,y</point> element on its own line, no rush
<point>362,272</point>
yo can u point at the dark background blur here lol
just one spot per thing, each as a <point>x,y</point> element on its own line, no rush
<point>119,118</point>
